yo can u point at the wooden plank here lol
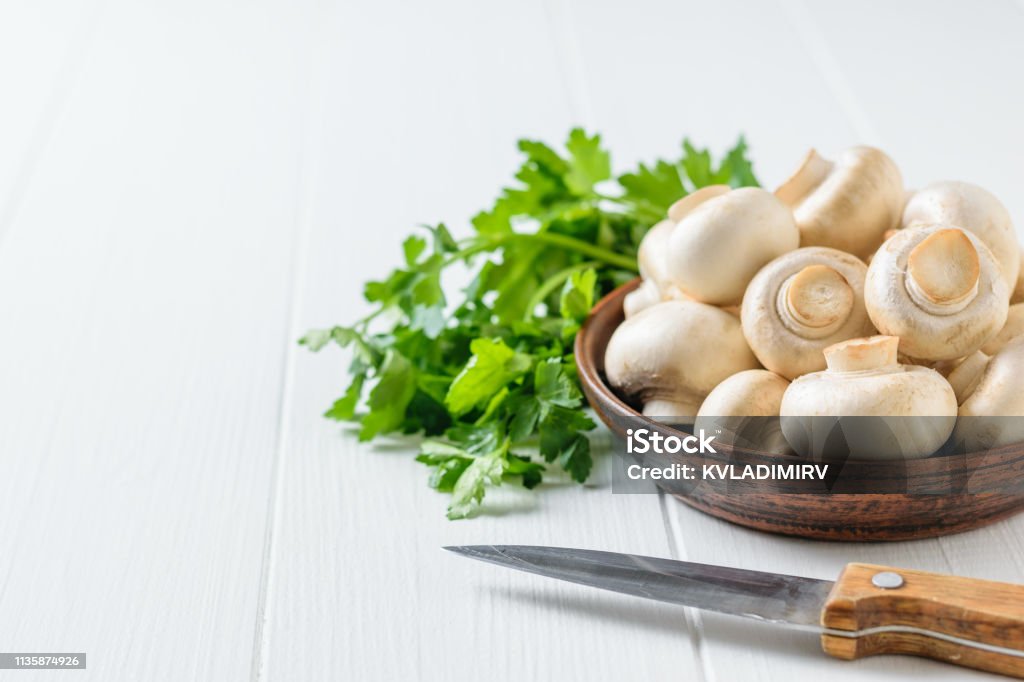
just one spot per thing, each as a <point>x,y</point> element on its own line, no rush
<point>144,288</point>
<point>359,585</point>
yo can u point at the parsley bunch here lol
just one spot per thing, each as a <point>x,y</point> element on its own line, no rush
<point>486,373</point>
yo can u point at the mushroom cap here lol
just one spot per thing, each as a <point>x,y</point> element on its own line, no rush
<point>913,409</point>
<point>680,208</point>
<point>1013,328</point>
<point>650,255</point>
<point>939,289</point>
<point>847,204</point>
<point>676,352</point>
<point>745,409</point>
<point>720,244</point>
<point>802,302</point>
<point>750,393</point>
<point>974,209</point>
<point>991,413</point>
<point>997,392</point>
<point>965,375</point>
<point>1018,289</point>
<point>644,296</point>
<point>648,293</point>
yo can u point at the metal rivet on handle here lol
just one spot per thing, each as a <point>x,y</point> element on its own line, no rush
<point>887,580</point>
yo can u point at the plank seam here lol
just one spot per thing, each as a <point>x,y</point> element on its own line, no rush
<point>569,57</point>
<point>308,171</point>
<point>694,624</point>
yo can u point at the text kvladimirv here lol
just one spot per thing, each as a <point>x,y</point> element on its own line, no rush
<point>728,472</point>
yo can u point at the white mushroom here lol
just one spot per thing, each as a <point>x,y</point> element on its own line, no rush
<point>721,242</point>
<point>912,409</point>
<point>1013,328</point>
<point>847,204</point>
<point>650,255</point>
<point>992,406</point>
<point>656,285</point>
<point>965,375</point>
<point>745,408</point>
<point>802,302</point>
<point>938,289</point>
<point>669,356</point>
<point>641,298</point>
<point>974,209</point>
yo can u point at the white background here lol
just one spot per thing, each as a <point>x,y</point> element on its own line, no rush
<point>186,186</point>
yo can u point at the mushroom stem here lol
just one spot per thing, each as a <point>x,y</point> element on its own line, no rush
<point>663,408</point>
<point>812,172</point>
<point>815,302</point>
<point>861,355</point>
<point>965,377</point>
<point>943,272</point>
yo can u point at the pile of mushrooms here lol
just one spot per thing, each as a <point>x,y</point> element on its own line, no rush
<point>840,295</point>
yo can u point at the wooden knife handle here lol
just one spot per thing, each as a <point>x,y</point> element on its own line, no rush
<point>964,609</point>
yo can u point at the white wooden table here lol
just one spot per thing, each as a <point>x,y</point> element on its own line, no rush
<point>186,186</point>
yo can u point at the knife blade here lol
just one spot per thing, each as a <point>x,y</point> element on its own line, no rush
<point>868,610</point>
<point>783,599</point>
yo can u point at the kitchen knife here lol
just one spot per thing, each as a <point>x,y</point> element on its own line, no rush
<point>868,610</point>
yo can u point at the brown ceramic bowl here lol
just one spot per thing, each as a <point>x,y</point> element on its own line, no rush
<point>828,516</point>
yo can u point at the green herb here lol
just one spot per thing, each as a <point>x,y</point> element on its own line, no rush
<point>487,373</point>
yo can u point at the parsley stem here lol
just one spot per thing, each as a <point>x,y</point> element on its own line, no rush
<point>601,254</point>
<point>365,321</point>
<point>552,283</point>
<point>475,246</point>
<point>639,208</point>
<point>587,249</point>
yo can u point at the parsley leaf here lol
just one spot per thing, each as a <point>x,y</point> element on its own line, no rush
<point>554,387</point>
<point>590,163</point>
<point>562,440</point>
<point>344,408</point>
<point>654,188</point>
<point>469,488</point>
<point>736,169</point>
<point>389,398</point>
<point>492,366</point>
